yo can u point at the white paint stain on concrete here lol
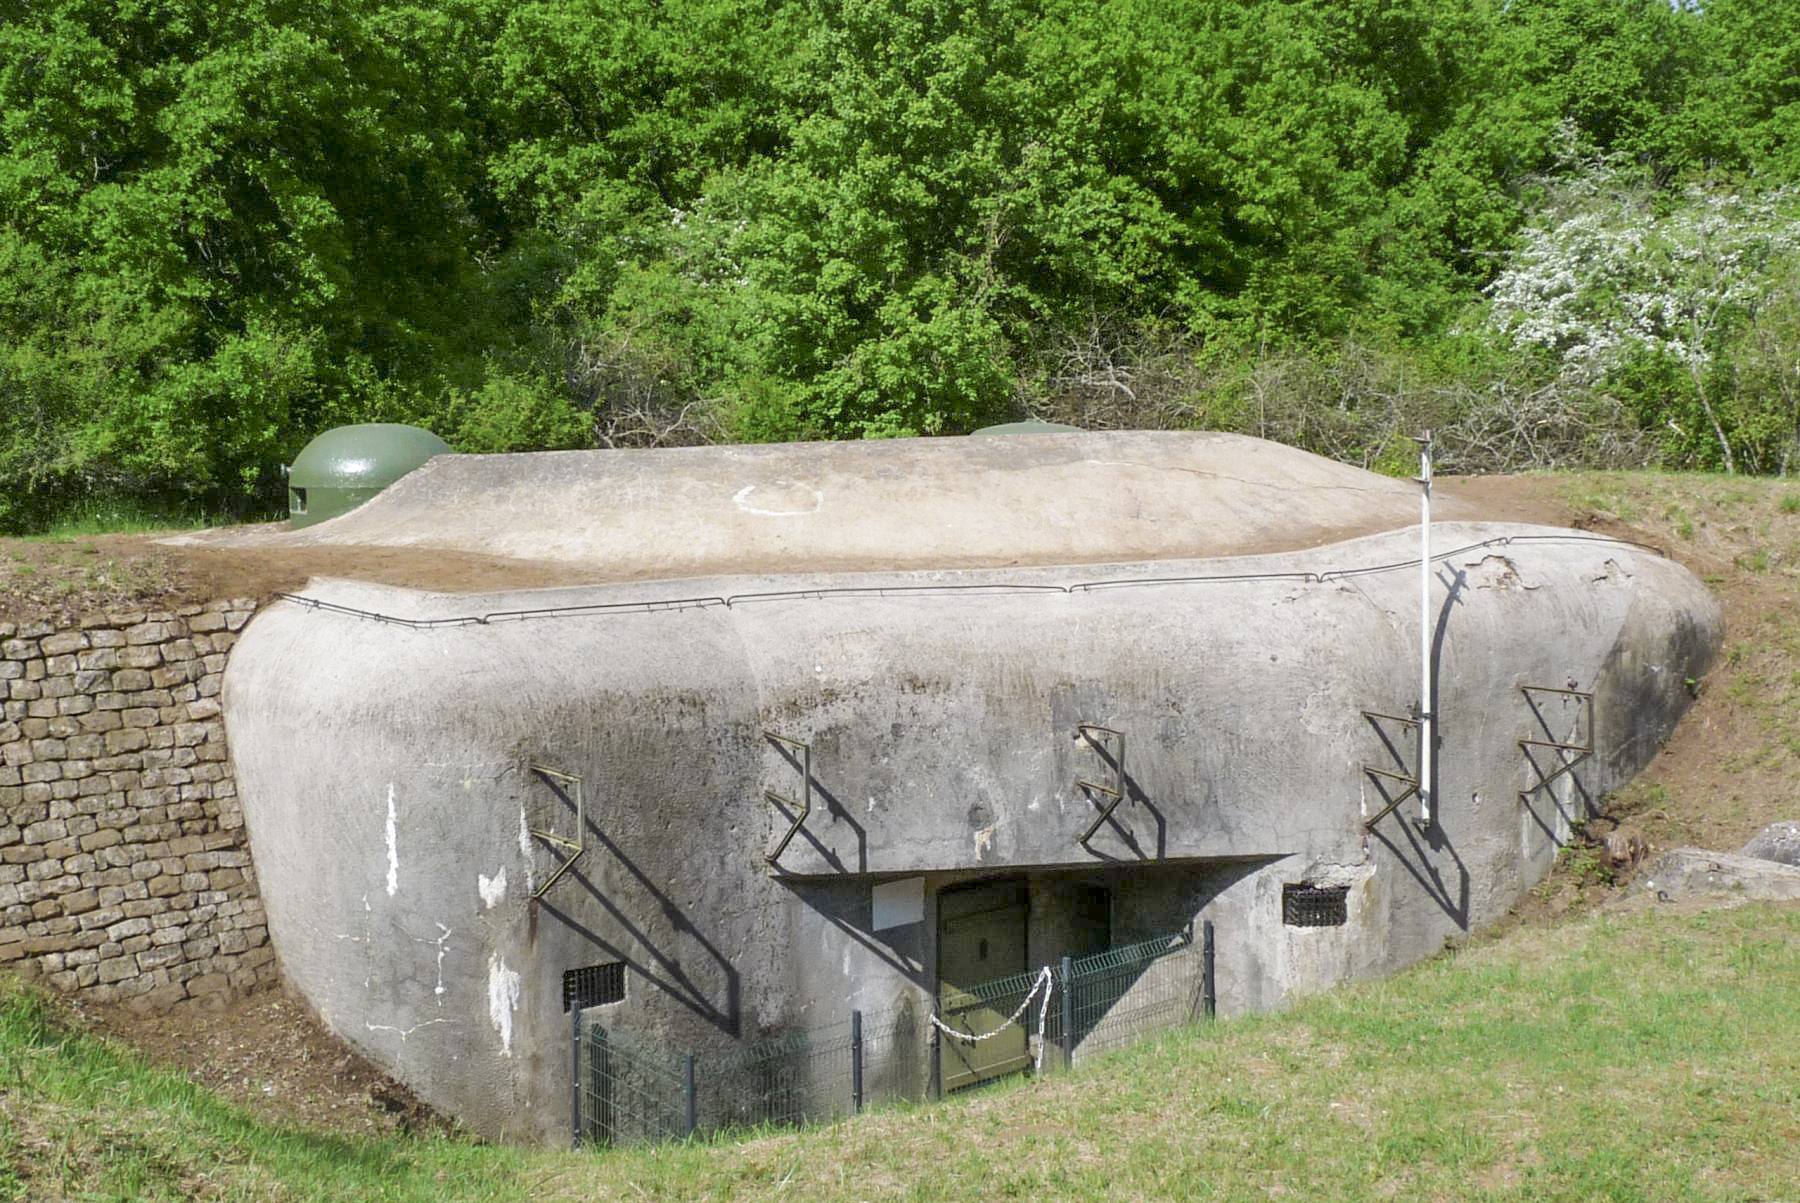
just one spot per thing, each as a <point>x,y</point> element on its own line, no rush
<point>525,851</point>
<point>984,839</point>
<point>393,844</point>
<point>443,935</point>
<point>492,889</point>
<point>403,1033</point>
<point>782,499</point>
<point>503,1000</point>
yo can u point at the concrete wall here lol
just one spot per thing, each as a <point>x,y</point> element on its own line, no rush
<point>400,830</point>
<point>124,870</point>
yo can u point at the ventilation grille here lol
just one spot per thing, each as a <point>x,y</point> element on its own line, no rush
<point>594,986</point>
<point>1315,906</point>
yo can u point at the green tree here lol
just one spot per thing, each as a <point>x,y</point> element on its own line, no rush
<point>1747,105</point>
<point>1654,294</point>
<point>220,218</point>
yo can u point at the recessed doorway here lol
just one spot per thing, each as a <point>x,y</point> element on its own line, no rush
<point>981,939</point>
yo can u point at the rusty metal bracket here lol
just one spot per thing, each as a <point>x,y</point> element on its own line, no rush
<point>1565,763</point>
<point>803,806</point>
<point>1115,791</point>
<point>577,847</point>
<point>1381,777</point>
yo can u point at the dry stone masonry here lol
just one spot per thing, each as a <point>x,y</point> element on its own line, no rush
<point>125,873</point>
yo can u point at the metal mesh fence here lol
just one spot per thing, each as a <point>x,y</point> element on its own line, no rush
<point>1116,996</point>
<point>630,1091</point>
<point>896,1054</point>
<point>797,1078</point>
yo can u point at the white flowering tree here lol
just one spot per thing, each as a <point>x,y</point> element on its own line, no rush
<point>1614,270</point>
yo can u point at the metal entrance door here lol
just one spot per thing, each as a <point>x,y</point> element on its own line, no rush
<point>981,939</point>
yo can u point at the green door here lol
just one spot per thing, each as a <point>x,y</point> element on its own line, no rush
<point>981,939</point>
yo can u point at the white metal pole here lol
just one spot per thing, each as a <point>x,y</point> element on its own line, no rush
<point>1426,718</point>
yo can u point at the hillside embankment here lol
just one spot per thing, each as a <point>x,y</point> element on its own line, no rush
<point>1727,771</point>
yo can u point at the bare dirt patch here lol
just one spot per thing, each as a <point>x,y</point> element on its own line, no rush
<point>88,574</point>
<point>269,1054</point>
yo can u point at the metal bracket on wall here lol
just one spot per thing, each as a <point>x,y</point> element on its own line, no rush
<point>577,846</point>
<point>1098,738</point>
<point>1386,779</point>
<point>801,807</point>
<point>1582,750</point>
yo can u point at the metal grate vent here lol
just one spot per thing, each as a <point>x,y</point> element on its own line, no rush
<point>594,986</point>
<point>1315,906</point>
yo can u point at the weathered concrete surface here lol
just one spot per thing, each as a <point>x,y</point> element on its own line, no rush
<point>1102,497</point>
<point>1776,842</point>
<point>1697,873</point>
<point>386,778</point>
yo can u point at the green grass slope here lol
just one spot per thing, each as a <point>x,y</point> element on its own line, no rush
<point>1652,1055</point>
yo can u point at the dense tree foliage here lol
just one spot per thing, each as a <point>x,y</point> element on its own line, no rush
<point>225,226</point>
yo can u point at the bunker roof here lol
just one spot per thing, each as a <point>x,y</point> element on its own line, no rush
<point>931,503</point>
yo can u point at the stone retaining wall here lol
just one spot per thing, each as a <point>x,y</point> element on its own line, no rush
<point>125,873</point>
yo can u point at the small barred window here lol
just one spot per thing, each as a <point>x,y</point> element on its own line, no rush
<point>594,985</point>
<point>1315,906</point>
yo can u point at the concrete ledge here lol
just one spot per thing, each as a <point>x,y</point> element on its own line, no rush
<point>1695,872</point>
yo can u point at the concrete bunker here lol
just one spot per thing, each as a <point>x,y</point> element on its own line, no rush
<point>725,805</point>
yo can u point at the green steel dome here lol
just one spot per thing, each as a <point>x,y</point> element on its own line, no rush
<point>345,466</point>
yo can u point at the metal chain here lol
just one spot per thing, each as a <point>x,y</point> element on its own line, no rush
<point>1045,982</point>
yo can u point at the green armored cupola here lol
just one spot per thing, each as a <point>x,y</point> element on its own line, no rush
<point>344,467</point>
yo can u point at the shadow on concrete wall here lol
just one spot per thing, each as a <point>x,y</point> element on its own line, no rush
<point>720,1004</point>
<point>845,905</point>
<point>1134,794</point>
<point>834,809</point>
<point>1423,853</point>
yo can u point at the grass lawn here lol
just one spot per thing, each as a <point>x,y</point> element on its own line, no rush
<point>1651,1055</point>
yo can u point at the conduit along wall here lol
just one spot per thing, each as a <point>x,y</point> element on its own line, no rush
<point>937,734</point>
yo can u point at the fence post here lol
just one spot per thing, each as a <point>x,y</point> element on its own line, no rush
<point>575,1076</point>
<point>691,1116</point>
<point>934,1087</point>
<point>1209,978</point>
<point>1068,1012</point>
<point>856,1062</point>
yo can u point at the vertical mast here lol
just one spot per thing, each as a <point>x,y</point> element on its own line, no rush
<point>1427,720</point>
